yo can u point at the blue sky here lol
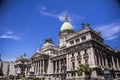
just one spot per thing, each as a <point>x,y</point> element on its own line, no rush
<point>25,24</point>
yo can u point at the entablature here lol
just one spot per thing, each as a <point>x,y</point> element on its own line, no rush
<point>58,57</point>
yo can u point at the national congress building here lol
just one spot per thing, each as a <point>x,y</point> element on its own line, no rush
<point>83,47</point>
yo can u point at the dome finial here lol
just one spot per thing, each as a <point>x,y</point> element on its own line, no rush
<point>66,19</point>
<point>24,54</point>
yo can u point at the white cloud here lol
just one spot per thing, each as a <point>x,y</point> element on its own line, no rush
<point>110,31</point>
<point>60,16</point>
<point>43,7</point>
<point>9,32</point>
<point>9,35</point>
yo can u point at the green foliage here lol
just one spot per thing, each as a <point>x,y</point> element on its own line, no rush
<point>23,74</point>
<point>19,78</point>
<point>34,79</point>
<point>1,72</point>
<point>86,69</point>
<point>11,77</point>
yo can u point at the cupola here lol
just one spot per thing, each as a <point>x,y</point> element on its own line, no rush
<point>66,25</point>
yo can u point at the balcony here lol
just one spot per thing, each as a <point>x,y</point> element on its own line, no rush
<point>85,56</point>
<point>79,58</point>
<point>73,58</point>
<point>72,69</point>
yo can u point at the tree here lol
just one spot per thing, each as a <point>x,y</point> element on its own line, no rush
<point>35,79</point>
<point>1,72</point>
<point>11,77</point>
<point>86,69</point>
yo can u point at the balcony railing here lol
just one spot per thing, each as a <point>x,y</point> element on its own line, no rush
<point>72,69</point>
<point>85,55</point>
<point>79,57</point>
<point>73,58</point>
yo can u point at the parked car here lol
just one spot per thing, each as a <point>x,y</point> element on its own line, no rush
<point>1,78</point>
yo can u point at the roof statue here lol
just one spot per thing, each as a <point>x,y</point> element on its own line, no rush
<point>66,19</point>
<point>24,54</point>
<point>48,40</point>
<point>88,25</point>
<point>83,25</point>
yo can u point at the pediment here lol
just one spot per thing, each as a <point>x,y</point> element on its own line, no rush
<point>36,55</point>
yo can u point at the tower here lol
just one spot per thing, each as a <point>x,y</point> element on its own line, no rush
<point>65,31</point>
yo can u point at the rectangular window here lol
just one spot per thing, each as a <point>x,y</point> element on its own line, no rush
<point>85,51</point>
<point>77,40</point>
<point>86,61</point>
<point>72,54</point>
<point>72,74</point>
<point>73,65</point>
<point>79,62</point>
<point>83,38</point>
<point>72,42</point>
<point>78,53</point>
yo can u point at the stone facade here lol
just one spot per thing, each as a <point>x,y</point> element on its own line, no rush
<point>83,47</point>
<point>7,68</point>
<point>22,66</point>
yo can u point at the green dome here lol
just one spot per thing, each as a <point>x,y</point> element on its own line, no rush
<point>66,25</point>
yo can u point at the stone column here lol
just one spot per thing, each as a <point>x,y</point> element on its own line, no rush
<point>107,61</point>
<point>38,67</point>
<point>94,59</point>
<point>118,67</point>
<point>35,67</point>
<point>59,66</point>
<point>103,58</point>
<point>43,66</point>
<point>55,67</point>
<point>68,62</point>
<point>99,59</point>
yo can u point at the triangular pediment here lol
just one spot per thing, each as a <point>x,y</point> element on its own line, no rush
<point>36,55</point>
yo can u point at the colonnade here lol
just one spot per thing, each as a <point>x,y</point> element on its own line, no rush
<point>58,65</point>
<point>106,60</point>
<point>39,67</point>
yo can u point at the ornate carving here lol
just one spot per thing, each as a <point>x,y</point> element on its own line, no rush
<point>73,58</point>
<point>85,56</point>
<point>79,58</point>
